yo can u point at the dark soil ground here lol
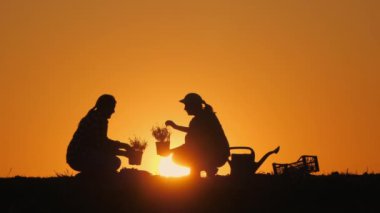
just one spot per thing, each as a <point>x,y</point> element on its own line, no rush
<point>137,191</point>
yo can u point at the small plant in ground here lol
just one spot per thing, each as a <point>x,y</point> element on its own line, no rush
<point>65,173</point>
<point>138,144</point>
<point>161,134</point>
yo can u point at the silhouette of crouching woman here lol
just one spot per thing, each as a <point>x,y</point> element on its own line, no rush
<point>206,147</point>
<point>90,151</point>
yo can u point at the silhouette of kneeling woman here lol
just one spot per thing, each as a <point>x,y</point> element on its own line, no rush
<point>206,147</point>
<point>90,151</point>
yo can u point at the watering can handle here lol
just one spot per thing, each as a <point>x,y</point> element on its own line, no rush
<point>242,147</point>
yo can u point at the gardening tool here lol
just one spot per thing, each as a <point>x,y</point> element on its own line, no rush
<point>243,164</point>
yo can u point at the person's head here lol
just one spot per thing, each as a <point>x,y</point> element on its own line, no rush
<point>105,105</point>
<point>194,104</point>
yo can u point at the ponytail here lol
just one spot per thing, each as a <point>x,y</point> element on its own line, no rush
<point>103,101</point>
<point>92,110</point>
<point>208,108</point>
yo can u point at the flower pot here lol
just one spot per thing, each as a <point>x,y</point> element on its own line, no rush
<point>163,148</point>
<point>135,157</point>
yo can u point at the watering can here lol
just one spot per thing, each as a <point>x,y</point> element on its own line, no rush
<point>242,164</point>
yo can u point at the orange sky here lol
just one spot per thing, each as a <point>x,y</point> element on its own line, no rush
<point>300,74</point>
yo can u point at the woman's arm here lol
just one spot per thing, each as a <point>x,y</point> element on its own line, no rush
<point>120,148</point>
<point>119,145</point>
<point>177,127</point>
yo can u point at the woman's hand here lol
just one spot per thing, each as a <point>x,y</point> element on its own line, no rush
<point>122,149</point>
<point>175,126</point>
<point>170,123</point>
<point>125,146</point>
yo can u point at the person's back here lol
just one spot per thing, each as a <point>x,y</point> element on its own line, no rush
<point>217,143</point>
<point>89,136</point>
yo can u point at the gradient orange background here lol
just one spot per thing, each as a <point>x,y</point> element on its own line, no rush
<point>301,74</point>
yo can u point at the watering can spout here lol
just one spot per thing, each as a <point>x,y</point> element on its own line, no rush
<point>261,161</point>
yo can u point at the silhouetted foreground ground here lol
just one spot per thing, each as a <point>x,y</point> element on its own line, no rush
<point>135,191</point>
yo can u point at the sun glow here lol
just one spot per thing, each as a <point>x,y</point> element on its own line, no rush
<point>168,168</point>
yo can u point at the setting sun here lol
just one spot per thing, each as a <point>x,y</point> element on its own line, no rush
<point>168,168</point>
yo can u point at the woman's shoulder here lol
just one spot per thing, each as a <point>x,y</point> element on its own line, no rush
<point>203,119</point>
<point>92,119</point>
